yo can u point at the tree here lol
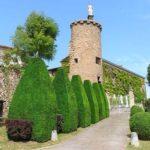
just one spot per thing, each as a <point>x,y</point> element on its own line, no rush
<point>105,100</point>
<point>34,100</point>
<point>36,38</point>
<point>148,74</point>
<point>66,101</point>
<point>100,100</point>
<point>92,100</point>
<point>82,101</point>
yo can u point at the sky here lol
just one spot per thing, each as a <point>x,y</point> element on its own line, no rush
<point>125,34</point>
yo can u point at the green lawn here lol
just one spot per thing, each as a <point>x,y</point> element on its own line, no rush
<point>5,144</point>
<point>144,145</point>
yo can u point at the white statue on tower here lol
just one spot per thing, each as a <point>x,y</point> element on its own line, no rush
<point>90,10</point>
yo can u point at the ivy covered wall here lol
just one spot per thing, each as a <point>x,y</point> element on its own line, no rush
<point>119,81</point>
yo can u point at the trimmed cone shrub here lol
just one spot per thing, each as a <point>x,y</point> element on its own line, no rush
<point>136,109</point>
<point>105,99</point>
<point>34,100</point>
<point>66,100</point>
<point>140,123</point>
<point>92,100</point>
<point>19,130</point>
<point>82,101</point>
<point>100,100</point>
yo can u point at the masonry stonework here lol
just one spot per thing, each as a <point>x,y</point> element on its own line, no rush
<point>85,50</point>
<point>8,83</point>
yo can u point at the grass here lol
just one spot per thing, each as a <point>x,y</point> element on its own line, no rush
<point>144,145</point>
<point>6,144</point>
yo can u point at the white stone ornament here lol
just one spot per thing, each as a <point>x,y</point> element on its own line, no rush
<point>134,139</point>
<point>90,10</point>
<point>54,136</point>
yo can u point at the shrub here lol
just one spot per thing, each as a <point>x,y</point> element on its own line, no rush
<point>34,100</point>
<point>60,121</point>
<point>66,101</point>
<point>140,123</point>
<point>100,100</point>
<point>19,130</point>
<point>105,99</point>
<point>147,105</point>
<point>136,109</point>
<point>82,101</point>
<point>92,100</point>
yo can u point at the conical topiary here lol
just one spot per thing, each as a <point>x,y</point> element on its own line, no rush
<point>82,101</point>
<point>100,100</point>
<point>66,100</point>
<point>34,100</point>
<point>92,100</point>
<point>105,99</point>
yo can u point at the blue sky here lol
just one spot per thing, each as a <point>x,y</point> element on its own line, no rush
<point>125,35</point>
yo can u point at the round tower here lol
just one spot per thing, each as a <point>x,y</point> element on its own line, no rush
<point>85,54</point>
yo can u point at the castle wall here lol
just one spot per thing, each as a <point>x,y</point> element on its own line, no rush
<point>85,48</point>
<point>8,83</point>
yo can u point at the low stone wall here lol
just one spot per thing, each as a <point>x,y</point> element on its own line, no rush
<point>8,83</point>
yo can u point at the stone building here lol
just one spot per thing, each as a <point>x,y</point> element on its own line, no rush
<point>85,59</point>
<point>123,86</point>
<point>8,80</point>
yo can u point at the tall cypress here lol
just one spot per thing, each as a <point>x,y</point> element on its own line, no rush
<point>66,100</point>
<point>92,100</point>
<point>82,101</point>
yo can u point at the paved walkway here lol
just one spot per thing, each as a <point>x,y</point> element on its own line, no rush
<point>109,134</point>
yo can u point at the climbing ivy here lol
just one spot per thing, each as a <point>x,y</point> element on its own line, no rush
<point>119,82</point>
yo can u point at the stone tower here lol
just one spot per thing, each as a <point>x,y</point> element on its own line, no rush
<point>85,52</point>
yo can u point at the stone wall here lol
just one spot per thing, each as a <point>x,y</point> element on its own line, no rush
<point>8,83</point>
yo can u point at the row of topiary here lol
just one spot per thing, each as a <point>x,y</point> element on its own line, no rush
<point>140,122</point>
<point>40,105</point>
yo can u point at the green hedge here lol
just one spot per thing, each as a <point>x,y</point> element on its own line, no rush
<point>92,100</point>
<point>34,100</point>
<point>100,100</point>
<point>105,99</point>
<point>136,109</point>
<point>66,101</point>
<point>140,123</point>
<point>82,101</point>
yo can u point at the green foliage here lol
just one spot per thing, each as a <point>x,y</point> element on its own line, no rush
<point>148,74</point>
<point>140,123</point>
<point>100,100</point>
<point>105,99</point>
<point>119,82</point>
<point>82,101</point>
<point>36,37</point>
<point>92,100</point>
<point>147,105</point>
<point>135,109</point>
<point>66,100</point>
<point>34,100</point>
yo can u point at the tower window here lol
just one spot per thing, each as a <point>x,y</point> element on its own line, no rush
<point>76,60</point>
<point>98,60</point>
<point>98,79</point>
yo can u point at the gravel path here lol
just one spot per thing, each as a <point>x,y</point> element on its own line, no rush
<point>109,134</point>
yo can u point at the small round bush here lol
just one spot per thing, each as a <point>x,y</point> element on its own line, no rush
<point>140,123</point>
<point>136,109</point>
